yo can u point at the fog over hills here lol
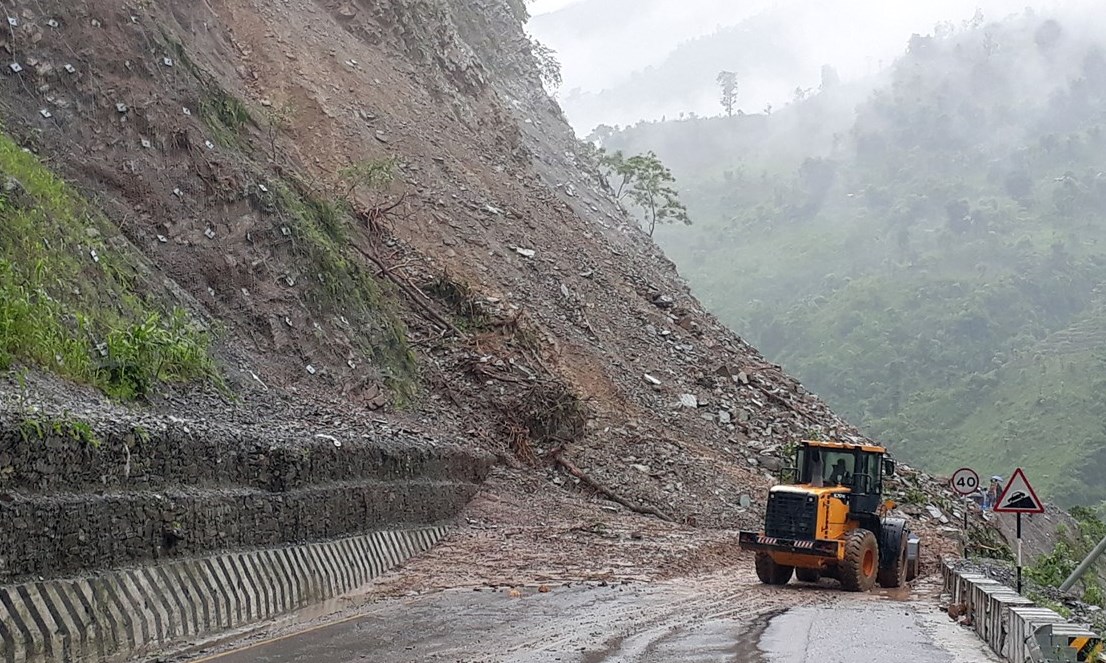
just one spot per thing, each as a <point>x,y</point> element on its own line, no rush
<point>626,60</point>
<point>923,247</point>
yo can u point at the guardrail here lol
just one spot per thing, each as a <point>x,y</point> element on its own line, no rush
<point>1014,627</point>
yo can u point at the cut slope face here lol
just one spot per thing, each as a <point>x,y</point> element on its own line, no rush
<point>487,292</point>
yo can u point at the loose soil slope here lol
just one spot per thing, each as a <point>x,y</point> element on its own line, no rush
<point>491,294</point>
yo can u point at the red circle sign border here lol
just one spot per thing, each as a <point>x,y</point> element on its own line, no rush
<point>952,481</point>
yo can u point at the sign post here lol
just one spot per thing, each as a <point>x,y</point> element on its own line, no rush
<point>964,483</point>
<point>1019,497</point>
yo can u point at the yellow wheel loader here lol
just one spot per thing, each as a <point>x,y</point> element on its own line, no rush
<point>831,522</point>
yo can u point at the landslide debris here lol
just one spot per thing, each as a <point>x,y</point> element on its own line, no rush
<point>376,209</point>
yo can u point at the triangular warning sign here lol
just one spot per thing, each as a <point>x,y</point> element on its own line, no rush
<point>1019,496</point>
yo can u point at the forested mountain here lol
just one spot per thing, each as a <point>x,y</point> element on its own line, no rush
<point>930,260</point>
<point>626,61</point>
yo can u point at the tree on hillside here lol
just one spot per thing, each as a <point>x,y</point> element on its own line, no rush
<point>817,176</point>
<point>727,80</point>
<point>601,134</point>
<point>618,172</point>
<point>649,185</point>
<point>549,67</point>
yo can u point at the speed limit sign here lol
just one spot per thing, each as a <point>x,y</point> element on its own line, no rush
<point>965,481</point>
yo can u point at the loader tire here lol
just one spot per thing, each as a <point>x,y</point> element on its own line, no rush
<point>892,572</point>
<point>771,573</point>
<point>857,572</point>
<point>808,575</point>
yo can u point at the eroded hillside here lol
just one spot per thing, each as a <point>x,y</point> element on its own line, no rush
<point>379,219</point>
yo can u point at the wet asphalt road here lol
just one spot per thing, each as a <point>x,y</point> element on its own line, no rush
<point>700,621</point>
<point>852,633</point>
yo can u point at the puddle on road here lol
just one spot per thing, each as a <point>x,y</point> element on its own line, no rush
<point>750,642</point>
<point>904,593</point>
<point>738,638</point>
<point>711,641</point>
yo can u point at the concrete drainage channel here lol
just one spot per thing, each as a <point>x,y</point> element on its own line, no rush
<point>117,615</point>
<point>1014,627</point>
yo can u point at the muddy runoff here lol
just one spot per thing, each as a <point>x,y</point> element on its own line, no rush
<point>721,617</point>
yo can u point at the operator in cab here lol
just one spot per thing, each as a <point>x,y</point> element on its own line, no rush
<point>839,475</point>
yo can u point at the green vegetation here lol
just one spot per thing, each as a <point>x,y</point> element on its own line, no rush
<point>1045,602</point>
<point>314,230</point>
<point>1092,529</point>
<point>915,496</point>
<point>986,542</point>
<point>929,262</point>
<point>649,186</point>
<point>372,174</point>
<point>1073,547</point>
<point>225,116</point>
<point>68,297</point>
<point>67,428</point>
<point>340,283</point>
<point>1055,567</point>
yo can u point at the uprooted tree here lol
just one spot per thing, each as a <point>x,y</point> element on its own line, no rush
<point>373,175</point>
<point>648,185</point>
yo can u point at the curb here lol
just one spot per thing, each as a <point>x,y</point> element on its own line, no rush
<point>1013,626</point>
<point>116,615</point>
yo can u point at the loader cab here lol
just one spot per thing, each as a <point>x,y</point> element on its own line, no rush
<point>858,468</point>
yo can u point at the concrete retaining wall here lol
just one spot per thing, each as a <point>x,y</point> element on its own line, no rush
<point>1013,626</point>
<point>117,615</point>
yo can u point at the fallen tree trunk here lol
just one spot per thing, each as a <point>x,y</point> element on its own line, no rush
<point>607,492</point>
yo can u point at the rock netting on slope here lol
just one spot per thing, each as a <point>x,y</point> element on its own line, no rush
<point>617,325</point>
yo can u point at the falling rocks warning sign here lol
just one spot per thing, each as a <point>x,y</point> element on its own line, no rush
<point>1019,496</point>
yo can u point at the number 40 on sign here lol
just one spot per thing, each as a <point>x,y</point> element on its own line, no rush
<point>965,481</point>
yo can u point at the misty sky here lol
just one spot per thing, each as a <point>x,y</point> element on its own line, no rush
<point>854,36</point>
<point>545,6</point>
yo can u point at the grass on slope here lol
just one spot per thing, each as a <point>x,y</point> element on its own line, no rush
<point>343,286</point>
<point>68,298</point>
<point>1042,412</point>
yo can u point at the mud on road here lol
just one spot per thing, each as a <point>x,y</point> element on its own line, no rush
<point>726,616</point>
<point>710,618</point>
<point>621,589</point>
